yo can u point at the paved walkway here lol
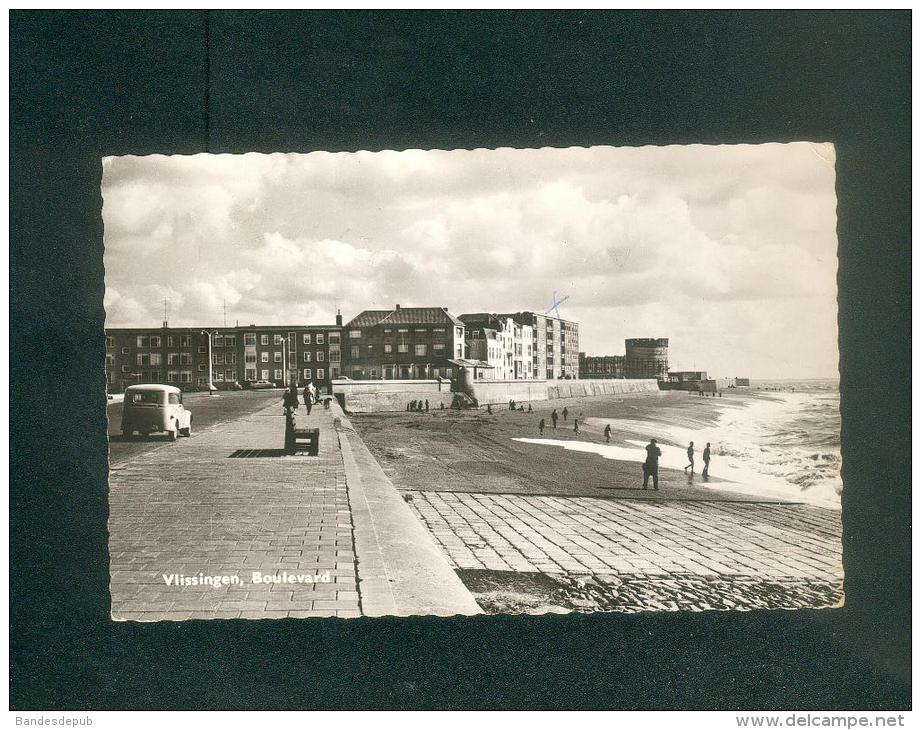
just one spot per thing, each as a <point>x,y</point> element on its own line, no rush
<point>226,504</point>
<point>584,535</point>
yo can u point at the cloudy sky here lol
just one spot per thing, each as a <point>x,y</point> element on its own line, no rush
<point>728,251</point>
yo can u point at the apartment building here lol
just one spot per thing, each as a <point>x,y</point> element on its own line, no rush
<point>180,355</point>
<point>555,345</point>
<point>404,343</point>
<point>501,342</point>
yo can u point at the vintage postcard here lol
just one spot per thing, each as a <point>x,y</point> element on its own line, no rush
<point>472,381</point>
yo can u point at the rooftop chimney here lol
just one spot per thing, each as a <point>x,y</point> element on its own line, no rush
<point>338,318</point>
<point>398,306</point>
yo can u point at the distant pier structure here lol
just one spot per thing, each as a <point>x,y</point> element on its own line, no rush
<point>647,357</point>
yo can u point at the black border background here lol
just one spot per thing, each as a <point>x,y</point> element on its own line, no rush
<point>88,84</point>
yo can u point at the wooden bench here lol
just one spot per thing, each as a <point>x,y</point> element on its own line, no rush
<point>306,439</point>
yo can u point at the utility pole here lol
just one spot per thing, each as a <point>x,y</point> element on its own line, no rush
<point>211,387</point>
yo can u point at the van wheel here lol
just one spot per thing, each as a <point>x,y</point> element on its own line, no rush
<point>187,431</point>
<point>174,433</point>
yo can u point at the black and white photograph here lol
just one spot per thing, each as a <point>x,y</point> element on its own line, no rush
<point>460,360</point>
<point>472,381</point>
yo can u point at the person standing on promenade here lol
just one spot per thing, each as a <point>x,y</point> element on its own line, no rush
<point>308,401</point>
<point>312,389</point>
<point>707,461</point>
<point>607,433</point>
<point>690,457</point>
<point>289,400</point>
<point>554,417</point>
<point>565,413</point>
<point>540,426</point>
<point>651,465</point>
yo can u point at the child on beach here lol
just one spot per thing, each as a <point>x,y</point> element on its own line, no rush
<point>607,433</point>
<point>575,425</point>
<point>690,458</point>
<point>540,426</point>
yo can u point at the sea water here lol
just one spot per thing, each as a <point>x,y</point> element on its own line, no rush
<point>783,445</point>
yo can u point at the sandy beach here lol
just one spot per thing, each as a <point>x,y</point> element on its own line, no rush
<point>478,452</point>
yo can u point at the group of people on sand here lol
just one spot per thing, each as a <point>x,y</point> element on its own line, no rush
<point>555,417</point>
<point>651,465</point>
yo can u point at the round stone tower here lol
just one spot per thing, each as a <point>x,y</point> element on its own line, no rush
<point>647,357</point>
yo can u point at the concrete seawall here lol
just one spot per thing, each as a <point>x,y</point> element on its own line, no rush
<point>502,391</point>
<point>381,396</point>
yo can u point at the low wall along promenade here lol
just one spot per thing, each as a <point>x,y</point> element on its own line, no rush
<point>502,391</point>
<point>377,396</point>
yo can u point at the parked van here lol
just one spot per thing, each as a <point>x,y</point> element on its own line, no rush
<point>155,408</point>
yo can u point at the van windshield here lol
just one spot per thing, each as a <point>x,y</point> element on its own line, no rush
<point>145,396</point>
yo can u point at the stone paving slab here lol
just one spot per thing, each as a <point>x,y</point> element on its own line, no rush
<point>190,509</point>
<point>590,536</point>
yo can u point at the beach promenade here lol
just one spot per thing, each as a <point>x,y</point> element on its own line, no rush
<point>444,528</point>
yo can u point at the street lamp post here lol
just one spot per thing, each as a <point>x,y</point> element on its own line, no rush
<point>211,387</point>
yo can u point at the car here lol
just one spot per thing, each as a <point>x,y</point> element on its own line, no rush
<point>262,384</point>
<point>152,408</point>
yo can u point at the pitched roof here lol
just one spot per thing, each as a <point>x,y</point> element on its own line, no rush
<point>404,315</point>
<point>368,318</point>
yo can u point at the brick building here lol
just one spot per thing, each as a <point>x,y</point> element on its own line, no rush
<point>601,366</point>
<point>404,343</point>
<point>179,355</point>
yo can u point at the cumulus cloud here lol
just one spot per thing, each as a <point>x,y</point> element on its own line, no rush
<point>730,251</point>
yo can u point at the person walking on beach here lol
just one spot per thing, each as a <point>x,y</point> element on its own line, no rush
<point>690,457</point>
<point>575,425</point>
<point>540,426</point>
<point>554,417</point>
<point>707,461</point>
<point>607,433</point>
<point>651,465</point>
<point>565,413</point>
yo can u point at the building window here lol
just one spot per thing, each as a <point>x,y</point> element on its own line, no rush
<point>201,382</point>
<point>306,339</point>
<point>201,367</point>
<point>334,355</point>
<point>250,374</point>
<point>459,331</point>
<point>249,339</point>
<point>279,339</point>
<point>387,332</point>
<point>334,338</point>
<point>172,358</point>
<point>402,347</point>
<point>319,339</point>
<point>218,376</point>
<point>264,356</point>
<point>402,331</point>
<point>155,358</point>
<point>185,340</point>
<point>202,350</point>
<point>354,334</point>
<point>125,368</point>
<point>219,358</point>
<point>308,373</point>
<point>421,331</point>
<point>265,374</point>
<point>388,348</point>
<point>172,377</point>
<point>249,357</point>
<point>125,351</point>
<point>355,354</point>
<point>110,360</point>
<point>439,348</point>
<point>185,376</point>
<point>277,356</point>
<point>230,374</point>
<point>306,356</point>
<point>321,374</point>
<point>264,339</point>
<point>219,340</point>
<point>185,358</point>
<point>143,358</point>
<point>319,356</point>
<point>439,331</point>
<point>230,340</point>
<point>420,350</point>
<point>142,341</point>
<point>230,358</point>
<point>277,374</point>
<point>110,343</point>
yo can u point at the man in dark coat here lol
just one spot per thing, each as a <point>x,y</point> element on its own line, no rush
<point>651,465</point>
<point>707,461</point>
